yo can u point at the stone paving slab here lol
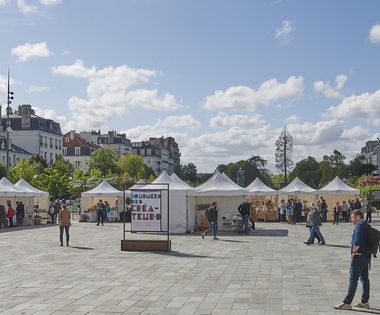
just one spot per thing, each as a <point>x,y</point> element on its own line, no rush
<point>268,272</point>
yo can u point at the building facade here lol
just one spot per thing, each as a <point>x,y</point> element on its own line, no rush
<point>16,154</point>
<point>77,150</point>
<point>34,134</point>
<point>371,153</point>
<point>116,142</point>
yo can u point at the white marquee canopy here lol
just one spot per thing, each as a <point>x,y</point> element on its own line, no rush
<point>103,189</point>
<point>24,185</point>
<point>338,187</point>
<point>297,187</point>
<point>257,187</point>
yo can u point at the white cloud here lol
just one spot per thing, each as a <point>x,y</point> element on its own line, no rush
<point>109,94</point>
<point>26,8</point>
<point>226,120</point>
<point>142,133</point>
<point>326,89</point>
<point>4,2</point>
<point>27,51</point>
<point>285,32</point>
<point>77,69</point>
<point>365,106</point>
<point>50,2</point>
<point>149,99</point>
<point>36,89</point>
<point>374,34</point>
<point>51,114</point>
<point>186,121</point>
<point>245,98</point>
<point>357,132</point>
<point>292,119</point>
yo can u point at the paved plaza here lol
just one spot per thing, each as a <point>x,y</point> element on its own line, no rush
<point>268,272</point>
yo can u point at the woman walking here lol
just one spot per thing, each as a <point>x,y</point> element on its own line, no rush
<point>64,224</point>
<point>315,223</point>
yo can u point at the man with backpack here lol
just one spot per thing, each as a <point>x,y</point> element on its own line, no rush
<point>211,215</point>
<point>360,259</point>
<point>245,211</point>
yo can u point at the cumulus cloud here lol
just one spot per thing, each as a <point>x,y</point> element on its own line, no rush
<point>374,34</point>
<point>26,8</point>
<point>327,90</point>
<point>28,51</point>
<point>77,69</point>
<point>292,119</point>
<point>357,132</point>
<point>225,120</point>
<point>36,89</point>
<point>150,99</point>
<point>245,98</point>
<point>285,32</point>
<point>51,114</point>
<point>365,106</point>
<point>109,93</point>
<point>186,121</point>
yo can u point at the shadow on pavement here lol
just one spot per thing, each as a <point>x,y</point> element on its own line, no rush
<point>27,227</point>
<point>183,255</point>
<point>274,233</point>
<point>338,246</point>
<point>367,310</point>
<point>80,247</point>
<point>232,241</point>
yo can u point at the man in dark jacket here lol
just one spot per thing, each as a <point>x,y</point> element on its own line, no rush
<point>20,213</point>
<point>245,211</point>
<point>359,263</point>
<point>211,214</point>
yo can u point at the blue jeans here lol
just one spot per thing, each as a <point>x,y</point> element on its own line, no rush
<point>315,230</point>
<point>244,224</point>
<point>211,226</point>
<point>359,269</point>
<point>66,228</point>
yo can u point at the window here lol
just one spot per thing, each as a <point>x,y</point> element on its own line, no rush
<point>77,151</point>
<point>41,141</point>
<point>59,144</point>
<point>77,163</point>
<point>64,151</point>
<point>51,143</point>
<point>56,144</point>
<point>149,152</point>
<point>45,155</point>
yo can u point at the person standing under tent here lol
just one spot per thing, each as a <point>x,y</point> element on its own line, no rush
<point>337,209</point>
<point>20,213</point>
<point>289,211</point>
<point>245,211</point>
<point>10,213</point>
<point>298,212</point>
<point>100,208</point>
<point>324,209</point>
<point>282,210</point>
<point>64,224</point>
<point>211,214</point>
<point>357,205</point>
<point>344,211</point>
<point>52,212</point>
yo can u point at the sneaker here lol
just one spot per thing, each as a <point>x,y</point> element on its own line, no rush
<point>343,306</point>
<point>321,243</point>
<point>306,243</point>
<point>203,236</point>
<point>215,238</point>
<point>61,244</point>
<point>362,305</point>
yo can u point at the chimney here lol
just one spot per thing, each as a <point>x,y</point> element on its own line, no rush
<point>26,114</point>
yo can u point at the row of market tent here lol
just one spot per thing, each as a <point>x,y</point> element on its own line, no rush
<point>185,201</point>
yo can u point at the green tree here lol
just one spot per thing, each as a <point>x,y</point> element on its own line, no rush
<point>26,170</point>
<point>308,170</point>
<point>103,160</point>
<point>357,167</point>
<point>132,165</point>
<point>332,166</point>
<point>277,180</point>
<point>190,172</point>
<point>3,170</point>
<point>284,150</point>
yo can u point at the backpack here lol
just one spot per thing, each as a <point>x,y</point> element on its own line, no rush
<point>207,213</point>
<point>373,241</point>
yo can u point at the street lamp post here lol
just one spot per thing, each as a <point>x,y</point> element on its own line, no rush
<point>8,124</point>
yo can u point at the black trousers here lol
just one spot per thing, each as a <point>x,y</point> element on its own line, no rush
<point>100,217</point>
<point>368,217</point>
<point>66,228</point>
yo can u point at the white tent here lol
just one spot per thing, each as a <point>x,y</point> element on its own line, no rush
<point>178,208</point>
<point>40,197</point>
<point>8,189</point>
<point>257,187</point>
<point>103,191</point>
<point>338,187</point>
<point>219,188</point>
<point>297,187</point>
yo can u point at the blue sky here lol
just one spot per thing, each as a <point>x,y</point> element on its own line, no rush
<point>222,77</point>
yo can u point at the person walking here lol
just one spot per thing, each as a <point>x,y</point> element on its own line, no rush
<point>211,214</point>
<point>64,224</point>
<point>323,209</point>
<point>350,209</point>
<point>369,210</point>
<point>337,209</point>
<point>245,211</point>
<point>52,213</point>
<point>315,223</point>
<point>289,211</point>
<point>10,214</point>
<point>359,263</point>
<point>309,224</point>
<point>344,211</point>
<point>100,208</point>
<point>282,211</point>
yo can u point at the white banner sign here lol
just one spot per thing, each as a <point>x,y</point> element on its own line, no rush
<point>146,210</point>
